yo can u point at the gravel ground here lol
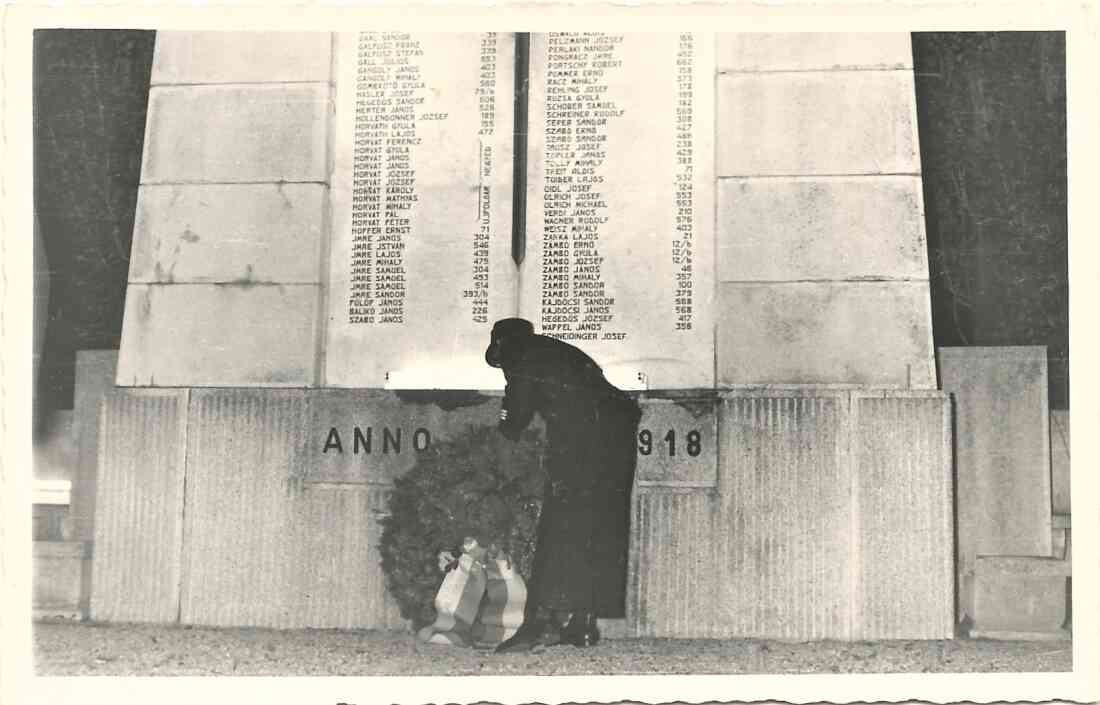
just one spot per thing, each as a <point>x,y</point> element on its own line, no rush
<point>82,649</point>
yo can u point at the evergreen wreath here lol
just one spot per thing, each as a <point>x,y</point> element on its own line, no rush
<point>477,484</point>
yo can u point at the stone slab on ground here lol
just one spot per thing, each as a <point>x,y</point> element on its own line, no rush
<point>1003,486</point>
<point>1019,594</point>
<point>62,649</point>
<point>57,567</point>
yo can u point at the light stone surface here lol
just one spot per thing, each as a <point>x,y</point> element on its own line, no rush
<point>678,443</point>
<point>1059,461</point>
<point>241,57</point>
<point>620,208</point>
<point>56,579</point>
<point>830,519</point>
<point>228,233</point>
<point>443,242</point>
<point>140,480</point>
<point>236,133</point>
<point>1020,595</point>
<point>811,51</point>
<point>778,124</point>
<point>218,335</point>
<point>95,377</point>
<point>818,333</point>
<point>837,228</point>
<point>1002,451</point>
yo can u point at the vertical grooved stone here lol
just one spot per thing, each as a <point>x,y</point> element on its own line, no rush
<point>136,568</point>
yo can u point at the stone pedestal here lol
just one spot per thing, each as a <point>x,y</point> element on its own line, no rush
<point>1002,455</point>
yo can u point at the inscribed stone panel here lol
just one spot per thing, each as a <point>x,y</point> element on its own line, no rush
<point>619,257</point>
<point>422,190</point>
<point>678,442</point>
<point>373,436</point>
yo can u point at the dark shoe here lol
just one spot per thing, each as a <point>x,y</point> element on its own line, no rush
<point>581,630</point>
<point>528,636</point>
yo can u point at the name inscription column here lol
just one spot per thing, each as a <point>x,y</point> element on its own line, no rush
<point>621,219</point>
<point>421,205</point>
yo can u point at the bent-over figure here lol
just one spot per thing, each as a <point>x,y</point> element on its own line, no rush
<point>579,568</point>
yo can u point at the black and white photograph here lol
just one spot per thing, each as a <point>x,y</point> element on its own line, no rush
<point>479,354</point>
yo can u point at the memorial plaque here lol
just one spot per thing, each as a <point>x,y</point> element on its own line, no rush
<point>620,220</point>
<point>422,194</point>
<point>678,443</point>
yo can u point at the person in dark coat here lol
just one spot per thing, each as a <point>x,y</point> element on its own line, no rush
<point>579,570</point>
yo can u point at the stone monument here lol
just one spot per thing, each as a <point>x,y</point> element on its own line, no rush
<point>730,224</point>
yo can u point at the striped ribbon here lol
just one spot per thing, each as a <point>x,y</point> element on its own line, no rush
<point>477,604</point>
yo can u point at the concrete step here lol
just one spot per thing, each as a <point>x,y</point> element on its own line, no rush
<point>1021,595</point>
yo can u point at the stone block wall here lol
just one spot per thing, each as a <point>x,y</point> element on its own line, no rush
<point>820,214</point>
<point>226,283</point>
<point>819,226</point>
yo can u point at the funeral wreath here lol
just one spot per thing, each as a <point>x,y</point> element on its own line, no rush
<point>477,486</point>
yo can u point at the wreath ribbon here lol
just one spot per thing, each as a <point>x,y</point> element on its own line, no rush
<point>479,602</point>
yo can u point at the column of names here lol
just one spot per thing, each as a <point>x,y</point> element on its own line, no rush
<point>389,93</point>
<point>621,199</point>
<point>576,301</point>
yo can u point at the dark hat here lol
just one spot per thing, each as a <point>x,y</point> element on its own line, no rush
<point>512,327</point>
<point>505,330</point>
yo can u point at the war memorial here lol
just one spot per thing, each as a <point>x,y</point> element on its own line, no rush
<point>732,225</point>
